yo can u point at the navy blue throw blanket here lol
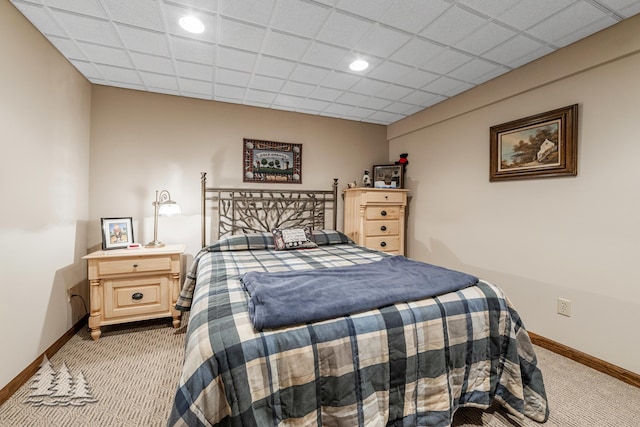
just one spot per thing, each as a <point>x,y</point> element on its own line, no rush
<point>297,297</point>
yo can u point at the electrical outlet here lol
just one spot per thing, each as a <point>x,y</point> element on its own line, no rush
<point>564,307</point>
<point>69,295</point>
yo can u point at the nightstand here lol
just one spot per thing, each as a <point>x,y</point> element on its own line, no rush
<point>128,285</point>
<point>375,218</point>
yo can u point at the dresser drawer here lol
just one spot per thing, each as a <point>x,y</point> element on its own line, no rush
<point>382,228</point>
<point>133,265</point>
<point>384,243</point>
<point>385,197</point>
<point>135,297</point>
<point>382,212</point>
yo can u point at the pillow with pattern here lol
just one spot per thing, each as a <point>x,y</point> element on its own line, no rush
<point>293,238</point>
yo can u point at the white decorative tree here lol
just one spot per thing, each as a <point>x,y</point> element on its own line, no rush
<point>41,385</point>
<point>82,392</point>
<point>62,387</point>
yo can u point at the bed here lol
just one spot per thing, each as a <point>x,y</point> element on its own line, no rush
<point>409,363</point>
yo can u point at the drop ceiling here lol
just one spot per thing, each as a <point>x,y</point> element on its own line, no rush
<point>294,54</point>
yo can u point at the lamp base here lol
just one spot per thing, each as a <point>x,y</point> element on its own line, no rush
<point>154,244</point>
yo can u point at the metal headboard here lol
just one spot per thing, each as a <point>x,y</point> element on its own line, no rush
<point>248,210</point>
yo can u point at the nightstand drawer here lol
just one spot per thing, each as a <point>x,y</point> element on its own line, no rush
<point>135,297</point>
<point>384,243</point>
<point>385,197</point>
<point>382,228</point>
<point>134,265</point>
<point>383,212</point>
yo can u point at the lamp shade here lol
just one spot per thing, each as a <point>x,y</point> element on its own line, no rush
<point>169,208</point>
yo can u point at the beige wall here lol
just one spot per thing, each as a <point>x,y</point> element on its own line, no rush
<point>142,142</point>
<point>575,237</point>
<point>44,124</point>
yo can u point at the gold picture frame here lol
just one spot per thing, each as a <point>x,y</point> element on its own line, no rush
<point>540,146</point>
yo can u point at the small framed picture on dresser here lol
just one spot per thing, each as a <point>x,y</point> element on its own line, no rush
<point>388,176</point>
<point>117,233</point>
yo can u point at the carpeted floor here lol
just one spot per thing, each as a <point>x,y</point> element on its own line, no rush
<point>132,372</point>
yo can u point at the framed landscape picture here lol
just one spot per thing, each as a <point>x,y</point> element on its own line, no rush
<point>539,146</point>
<point>271,162</point>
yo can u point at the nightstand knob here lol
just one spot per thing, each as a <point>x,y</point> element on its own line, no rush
<point>383,213</point>
<point>383,228</point>
<point>137,296</point>
<point>135,265</point>
<point>386,197</point>
<point>383,244</point>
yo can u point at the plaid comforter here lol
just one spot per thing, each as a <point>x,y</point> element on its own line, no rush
<point>408,364</point>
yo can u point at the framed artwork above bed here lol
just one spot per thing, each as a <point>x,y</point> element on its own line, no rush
<point>271,162</point>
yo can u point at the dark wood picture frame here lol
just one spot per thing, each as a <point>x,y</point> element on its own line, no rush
<point>540,146</point>
<point>117,233</point>
<point>388,174</point>
<point>271,162</point>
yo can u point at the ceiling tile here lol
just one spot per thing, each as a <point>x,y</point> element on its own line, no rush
<point>274,67</point>
<point>567,21</point>
<point>158,64</point>
<point>159,81</point>
<point>229,93</point>
<point>412,15</point>
<point>485,38</point>
<point>368,86</point>
<point>585,31</point>
<point>287,101</point>
<point>324,55</point>
<point>259,97</point>
<point>140,13</point>
<point>106,55</point>
<point>394,92</point>
<point>382,41</point>
<point>236,59</point>
<point>490,8</point>
<point>68,48</point>
<point>88,29</point>
<point>443,85</point>
<point>153,42</point>
<point>526,14</point>
<point>446,61</point>
<point>544,50</point>
<point>192,50</point>
<point>416,52</point>
<point>344,30</point>
<point>299,17</point>
<point>195,86</point>
<point>207,5</point>
<point>352,98</point>
<point>375,103</point>
<point>265,83</point>
<point>118,74</point>
<point>339,80</point>
<point>83,7</point>
<point>232,77</point>
<point>442,30</point>
<point>190,70</point>
<point>240,35</point>
<point>308,74</point>
<point>469,71</point>
<point>325,94</point>
<point>513,49</point>
<point>286,46</point>
<point>422,98</point>
<point>314,104</point>
<point>399,107</point>
<point>39,17</point>
<point>87,69</point>
<point>256,11</point>
<point>417,78</point>
<point>370,9</point>
<point>390,72</point>
<point>295,88</point>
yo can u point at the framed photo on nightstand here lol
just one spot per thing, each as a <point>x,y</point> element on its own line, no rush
<point>117,233</point>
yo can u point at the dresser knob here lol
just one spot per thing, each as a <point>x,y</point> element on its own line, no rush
<point>383,228</point>
<point>135,265</point>
<point>137,296</point>
<point>383,213</point>
<point>383,244</point>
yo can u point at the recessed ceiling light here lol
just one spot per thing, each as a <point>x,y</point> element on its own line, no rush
<point>359,65</point>
<point>191,24</point>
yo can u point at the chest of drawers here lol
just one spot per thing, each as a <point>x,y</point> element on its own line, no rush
<point>127,285</point>
<point>375,218</point>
